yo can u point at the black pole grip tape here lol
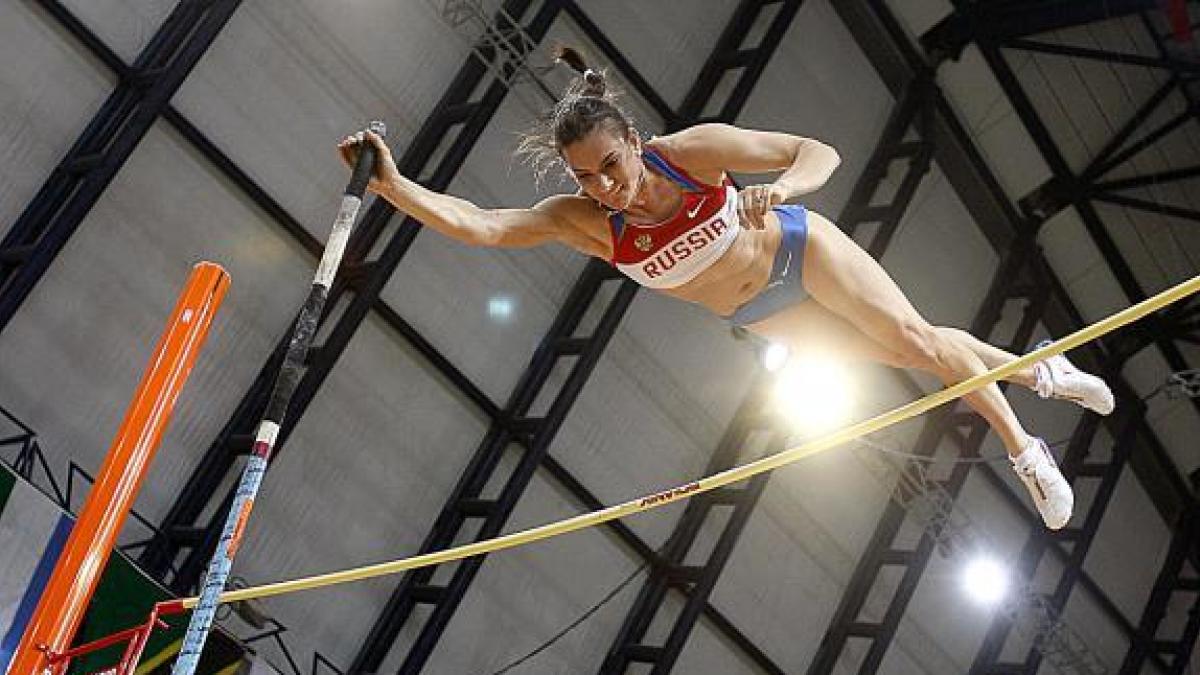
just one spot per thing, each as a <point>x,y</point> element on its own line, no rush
<point>366,162</point>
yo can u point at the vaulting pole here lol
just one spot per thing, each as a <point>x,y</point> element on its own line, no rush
<point>77,572</point>
<point>268,429</point>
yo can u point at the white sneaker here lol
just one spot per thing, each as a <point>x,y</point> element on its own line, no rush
<point>1059,378</point>
<point>1050,490</point>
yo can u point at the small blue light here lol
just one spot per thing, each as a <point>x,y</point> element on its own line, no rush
<point>500,308</point>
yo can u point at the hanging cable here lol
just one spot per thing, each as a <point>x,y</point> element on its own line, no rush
<point>570,627</point>
<point>928,459</point>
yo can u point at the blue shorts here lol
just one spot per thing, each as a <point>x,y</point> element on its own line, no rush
<point>784,287</point>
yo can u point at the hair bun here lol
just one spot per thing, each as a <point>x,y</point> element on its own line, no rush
<point>589,105</point>
<point>571,57</point>
<point>593,81</point>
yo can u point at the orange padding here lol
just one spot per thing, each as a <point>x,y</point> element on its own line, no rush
<point>77,572</point>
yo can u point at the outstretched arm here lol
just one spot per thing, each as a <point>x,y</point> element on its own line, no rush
<point>460,219</point>
<point>806,163</point>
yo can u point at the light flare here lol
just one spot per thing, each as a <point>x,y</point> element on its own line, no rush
<point>815,394</point>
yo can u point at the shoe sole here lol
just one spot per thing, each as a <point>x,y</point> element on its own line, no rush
<point>1082,402</point>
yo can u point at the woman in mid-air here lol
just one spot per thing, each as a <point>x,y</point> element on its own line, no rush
<point>664,212</point>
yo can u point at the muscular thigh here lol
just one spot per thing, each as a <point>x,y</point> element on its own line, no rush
<point>810,328</point>
<point>846,280</point>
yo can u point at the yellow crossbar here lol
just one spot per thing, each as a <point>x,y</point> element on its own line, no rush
<point>728,476</point>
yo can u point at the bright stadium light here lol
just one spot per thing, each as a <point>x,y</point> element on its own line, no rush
<point>775,356</point>
<point>985,580</point>
<point>814,394</point>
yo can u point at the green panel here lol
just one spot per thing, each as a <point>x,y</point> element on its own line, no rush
<point>7,481</point>
<point>123,600</point>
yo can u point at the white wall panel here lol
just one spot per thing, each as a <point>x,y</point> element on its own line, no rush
<point>1093,288</point>
<point>454,294</point>
<point>1161,250</point>
<point>49,89</point>
<point>1156,264</point>
<point>285,81</point>
<point>668,42</point>
<point>78,345</point>
<point>1175,423</point>
<point>126,26</point>
<point>481,308</point>
<point>937,247</point>
<point>785,576</point>
<point>635,430</point>
<point>365,473</point>
<point>821,86</point>
<point>992,124</point>
<point>1105,640</point>
<point>1072,255</point>
<point>918,16</point>
<point>524,596</point>
<point>1129,547</point>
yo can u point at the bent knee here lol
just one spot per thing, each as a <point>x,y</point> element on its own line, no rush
<point>919,345</point>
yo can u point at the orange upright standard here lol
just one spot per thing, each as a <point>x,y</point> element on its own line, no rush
<point>44,646</point>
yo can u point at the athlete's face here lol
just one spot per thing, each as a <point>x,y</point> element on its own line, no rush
<point>607,166</point>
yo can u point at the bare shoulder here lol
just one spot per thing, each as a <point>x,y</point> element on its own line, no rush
<point>706,150</point>
<point>572,210</point>
<point>584,222</point>
<point>694,138</point>
<point>697,142</point>
<point>698,149</point>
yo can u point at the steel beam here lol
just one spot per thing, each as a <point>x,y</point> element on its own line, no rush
<point>1172,584</point>
<point>1098,232</point>
<point>899,64</point>
<point>1012,19</point>
<point>749,426</point>
<point>1104,55</point>
<point>1149,206</point>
